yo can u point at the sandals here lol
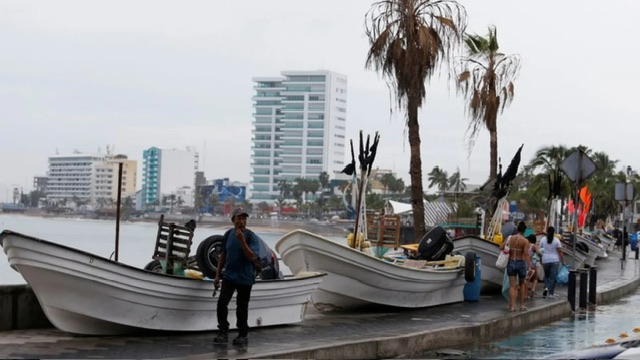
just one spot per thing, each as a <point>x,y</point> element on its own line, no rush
<point>523,308</point>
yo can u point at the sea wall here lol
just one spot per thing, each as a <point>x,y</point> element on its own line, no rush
<point>19,309</point>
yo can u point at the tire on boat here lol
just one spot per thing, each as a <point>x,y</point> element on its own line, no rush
<point>470,266</point>
<point>207,255</point>
<point>154,266</point>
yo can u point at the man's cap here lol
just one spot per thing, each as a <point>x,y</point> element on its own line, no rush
<point>239,211</point>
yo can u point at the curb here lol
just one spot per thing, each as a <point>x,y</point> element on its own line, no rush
<point>423,341</point>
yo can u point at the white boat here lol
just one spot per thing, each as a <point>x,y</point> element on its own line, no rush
<point>488,252</point>
<point>355,278</point>
<point>84,293</point>
<point>597,249</point>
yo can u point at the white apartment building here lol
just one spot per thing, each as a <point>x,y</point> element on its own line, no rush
<point>299,129</point>
<point>86,178</point>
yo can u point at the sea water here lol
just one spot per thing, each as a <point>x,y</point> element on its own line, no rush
<point>136,239</point>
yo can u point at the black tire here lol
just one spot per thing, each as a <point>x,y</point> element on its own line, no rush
<point>207,255</point>
<point>154,266</point>
<point>470,266</point>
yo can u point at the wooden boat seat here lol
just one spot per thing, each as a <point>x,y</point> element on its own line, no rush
<point>410,247</point>
<point>173,244</point>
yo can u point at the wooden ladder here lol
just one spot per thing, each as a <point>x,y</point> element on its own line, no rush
<point>173,245</point>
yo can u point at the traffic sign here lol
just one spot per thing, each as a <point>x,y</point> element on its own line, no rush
<point>578,166</point>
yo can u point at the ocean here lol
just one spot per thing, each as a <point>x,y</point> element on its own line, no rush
<point>136,240</point>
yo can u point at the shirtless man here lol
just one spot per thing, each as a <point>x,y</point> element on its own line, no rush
<point>519,262</point>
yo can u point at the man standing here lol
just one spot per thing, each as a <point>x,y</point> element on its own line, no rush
<point>237,269</point>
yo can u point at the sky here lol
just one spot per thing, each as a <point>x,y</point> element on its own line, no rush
<point>84,75</point>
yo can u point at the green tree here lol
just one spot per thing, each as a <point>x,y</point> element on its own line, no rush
<point>388,180</point>
<point>285,188</point>
<point>486,81</point>
<point>408,41</point>
<point>456,182</point>
<point>323,178</point>
<point>280,203</point>
<point>438,178</point>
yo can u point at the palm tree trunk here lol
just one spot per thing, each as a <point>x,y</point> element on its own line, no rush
<point>493,145</point>
<point>493,151</point>
<point>415,170</point>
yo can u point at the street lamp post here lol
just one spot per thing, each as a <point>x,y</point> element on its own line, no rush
<point>624,194</point>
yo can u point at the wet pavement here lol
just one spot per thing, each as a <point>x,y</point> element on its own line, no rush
<point>373,333</point>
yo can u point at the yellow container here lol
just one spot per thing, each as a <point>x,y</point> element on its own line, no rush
<point>351,242</point>
<point>497,238</point>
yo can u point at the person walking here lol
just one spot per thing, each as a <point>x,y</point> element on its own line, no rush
<point>552,256</point>
<point>517,267</point>
<point>532,274</point>
<point>237,270</point>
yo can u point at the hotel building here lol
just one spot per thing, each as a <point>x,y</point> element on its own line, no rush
<point>87,178</point>
<point>299,129</point>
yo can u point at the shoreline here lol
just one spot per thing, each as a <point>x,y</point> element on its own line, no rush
<point>258,225</point>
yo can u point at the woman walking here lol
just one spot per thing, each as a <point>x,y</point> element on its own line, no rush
<point>532,275</point>
<point>517,267</point>
<point>552,256</point>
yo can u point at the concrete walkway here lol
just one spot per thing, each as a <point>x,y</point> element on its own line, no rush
<point>384,333</point>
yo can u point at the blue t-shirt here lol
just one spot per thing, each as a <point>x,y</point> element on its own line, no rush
<point>237,268</point>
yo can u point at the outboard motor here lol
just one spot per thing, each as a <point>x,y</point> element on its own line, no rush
<point>435,245</point>
<point>269,267</point>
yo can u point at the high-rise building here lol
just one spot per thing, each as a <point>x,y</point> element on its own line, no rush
<point>299,129</point>
<point>87,178</point>
<point>106,177</point>
<point>165,171</point>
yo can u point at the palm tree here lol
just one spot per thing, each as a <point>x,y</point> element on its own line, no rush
<point>486,81</point>
<point>323,178</point>
<point>457,182</point>
<point>285,188</point>
<point>408,41</point>
<point>549,159</point>
<point>438,178</point>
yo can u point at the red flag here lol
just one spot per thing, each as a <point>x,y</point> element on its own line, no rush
<point>570,207</point>
<point>581,219</point>
<point>585,196</point>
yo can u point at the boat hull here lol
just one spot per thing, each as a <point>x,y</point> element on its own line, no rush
<point>488,251</point>
<point>356,279</point>
<point>83,293</point>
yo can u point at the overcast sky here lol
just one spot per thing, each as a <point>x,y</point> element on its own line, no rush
<point>135,74</point>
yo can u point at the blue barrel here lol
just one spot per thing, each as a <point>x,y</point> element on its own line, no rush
<point>471,291</point>
<point>634,241</point>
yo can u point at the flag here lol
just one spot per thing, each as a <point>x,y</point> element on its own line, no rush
<point>570,207</point>
<point>585,197</point>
